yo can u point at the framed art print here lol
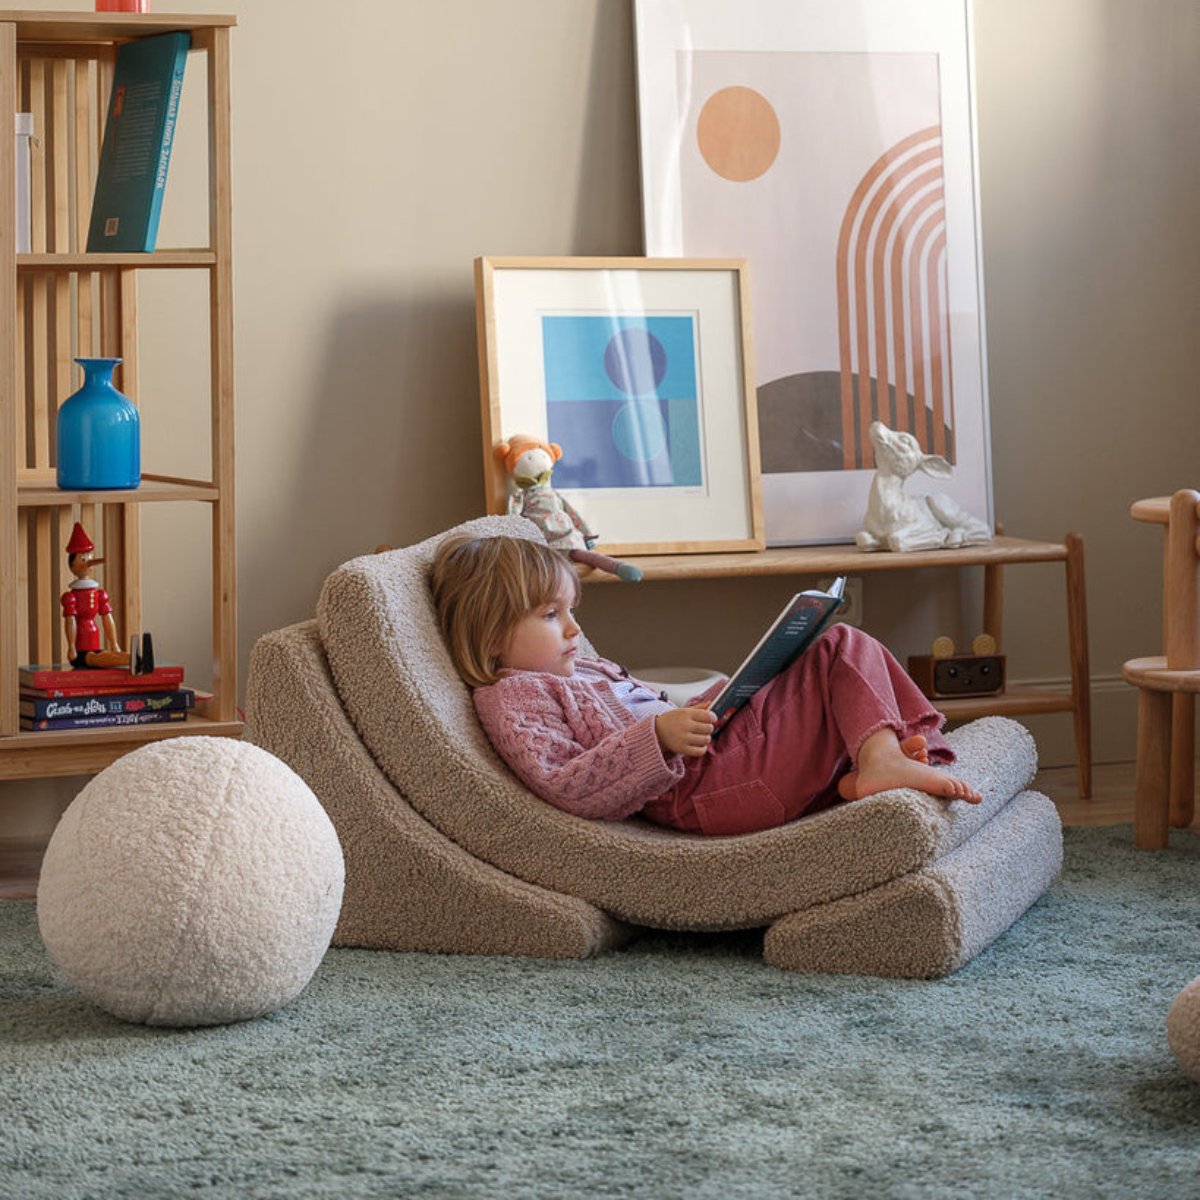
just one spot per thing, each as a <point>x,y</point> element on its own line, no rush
<point>639,369</point>
<point>830,143</point>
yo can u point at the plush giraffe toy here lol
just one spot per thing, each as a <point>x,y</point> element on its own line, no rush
<point>529,464</point>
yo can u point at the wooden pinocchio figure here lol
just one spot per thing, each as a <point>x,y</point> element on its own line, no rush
<point>87,615</point>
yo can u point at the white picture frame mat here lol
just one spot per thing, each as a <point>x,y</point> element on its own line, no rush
<point>717,25</point>
<point>667,28</point>
<point>722,508</point>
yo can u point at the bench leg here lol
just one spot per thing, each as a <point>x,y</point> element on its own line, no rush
<point>1183,759</point>
<point>1153,770</point>
<point>1081,681</point>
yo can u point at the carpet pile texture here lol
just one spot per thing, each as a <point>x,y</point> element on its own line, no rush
<point>677,1066</point>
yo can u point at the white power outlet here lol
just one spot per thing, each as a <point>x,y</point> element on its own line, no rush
<point>852,614</point>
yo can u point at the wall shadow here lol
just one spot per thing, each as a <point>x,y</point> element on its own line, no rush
<point>391,453</point>
<point>608,214</point>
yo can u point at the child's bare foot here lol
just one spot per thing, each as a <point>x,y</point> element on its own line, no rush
<point>885,763</point>
<point>914,747</point>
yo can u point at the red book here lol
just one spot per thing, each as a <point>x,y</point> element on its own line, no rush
<point>115,689</point>
<point>64,675</point>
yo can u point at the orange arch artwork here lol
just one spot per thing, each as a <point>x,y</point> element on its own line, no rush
<point>831,146</point>
<point>893,332</point>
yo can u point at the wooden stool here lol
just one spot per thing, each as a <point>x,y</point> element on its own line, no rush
<point>1167,683</point>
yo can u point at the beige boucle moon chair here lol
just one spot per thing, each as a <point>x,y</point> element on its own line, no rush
<point>447,851</point>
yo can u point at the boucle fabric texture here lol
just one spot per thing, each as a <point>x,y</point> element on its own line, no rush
<point>408,886</point>
<point>397,684</point>
<point>1183,1028</point>
<point>446,850</point>
<point>932,921</point>
<point>195,881</point>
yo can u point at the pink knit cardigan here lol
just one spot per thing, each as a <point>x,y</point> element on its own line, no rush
<point>574,744</point>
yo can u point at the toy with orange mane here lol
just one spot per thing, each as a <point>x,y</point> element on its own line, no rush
<point>529,464</point>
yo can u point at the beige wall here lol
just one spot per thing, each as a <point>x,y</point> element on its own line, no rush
<point>380,145</point>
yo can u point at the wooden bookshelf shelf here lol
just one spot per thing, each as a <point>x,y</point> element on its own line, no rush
<point>80,27</point>
<point>60,302</point>
<point>159,260</point>
<point>834,560</point>
<point>85,751</point>
<point>1013,702</point>
<point>153,489</point>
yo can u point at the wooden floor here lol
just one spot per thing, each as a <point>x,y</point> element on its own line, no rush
<point>20,862</point>
<point>1111,801</point>
<point>1110,804</point>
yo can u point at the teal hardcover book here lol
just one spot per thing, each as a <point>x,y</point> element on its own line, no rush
<point>804,618</point>
<point>136,150</point>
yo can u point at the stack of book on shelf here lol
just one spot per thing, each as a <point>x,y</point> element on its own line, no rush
<point>59,697</point>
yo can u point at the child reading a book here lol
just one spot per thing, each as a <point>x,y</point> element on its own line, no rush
<point>843,721</point>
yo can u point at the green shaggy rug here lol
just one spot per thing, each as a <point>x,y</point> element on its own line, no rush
<point>680,1066</point>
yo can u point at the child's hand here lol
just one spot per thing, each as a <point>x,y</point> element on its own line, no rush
<point>685,730</point>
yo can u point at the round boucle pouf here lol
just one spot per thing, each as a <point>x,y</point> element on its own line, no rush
<point>195,881</point>
<point>1183,1028</point>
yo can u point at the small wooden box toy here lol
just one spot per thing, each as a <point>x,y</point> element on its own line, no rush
<point>946,674</point>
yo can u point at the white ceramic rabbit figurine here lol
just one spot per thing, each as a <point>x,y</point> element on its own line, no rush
<point>896,521</point>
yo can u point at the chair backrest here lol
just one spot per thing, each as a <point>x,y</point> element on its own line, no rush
<point>414,715</point>
<point>1181,582</point>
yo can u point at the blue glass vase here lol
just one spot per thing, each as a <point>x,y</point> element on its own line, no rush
<point>99,433</point>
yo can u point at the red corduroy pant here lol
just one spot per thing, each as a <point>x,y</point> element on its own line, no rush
<point>781,756</point>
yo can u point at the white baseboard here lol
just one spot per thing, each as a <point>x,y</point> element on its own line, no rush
<point>1114,722</point>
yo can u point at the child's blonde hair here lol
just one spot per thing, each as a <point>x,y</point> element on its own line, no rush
<point>482,587</point>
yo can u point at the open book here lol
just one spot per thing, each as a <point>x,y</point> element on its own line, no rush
<point>804,618</point>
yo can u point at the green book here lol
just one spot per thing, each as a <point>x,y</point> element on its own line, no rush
<point>136,150</point>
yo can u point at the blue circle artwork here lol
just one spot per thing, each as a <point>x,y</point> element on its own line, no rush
<point>639,432</point>
<point>635,361</point>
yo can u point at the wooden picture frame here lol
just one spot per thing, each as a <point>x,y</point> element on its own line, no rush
<point>641,369</point>
<point>833,146</point>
